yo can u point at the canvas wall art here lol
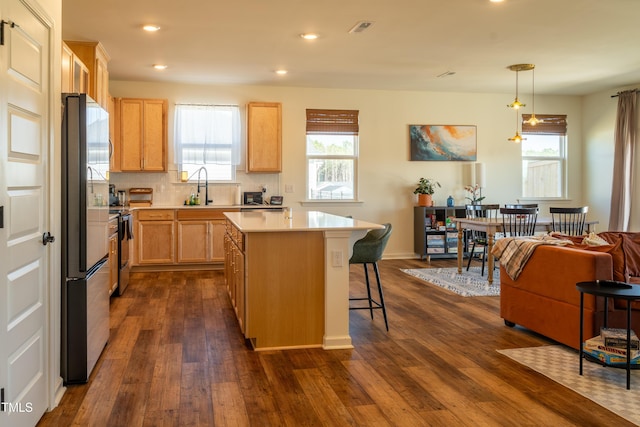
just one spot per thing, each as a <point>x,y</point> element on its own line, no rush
<point>443,142</point>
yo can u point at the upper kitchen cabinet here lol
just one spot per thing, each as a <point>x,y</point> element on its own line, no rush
<point>141,134</point>
<point>95,59</point>
<point>264,137</point>
<point>75,75</point>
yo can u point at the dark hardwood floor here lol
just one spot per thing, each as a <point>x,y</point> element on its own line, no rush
<point>176,357</point>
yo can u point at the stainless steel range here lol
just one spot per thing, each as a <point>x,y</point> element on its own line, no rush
<point>125,236</point>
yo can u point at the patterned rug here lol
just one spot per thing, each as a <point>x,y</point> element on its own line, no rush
<point>468,283</point>
<point>604,385</point>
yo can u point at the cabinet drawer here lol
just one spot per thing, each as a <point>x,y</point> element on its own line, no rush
<point>200,213</point>
<point>155,214</point>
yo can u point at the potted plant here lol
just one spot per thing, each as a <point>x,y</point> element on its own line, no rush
<point>425,189</point>
<point>475,194</point>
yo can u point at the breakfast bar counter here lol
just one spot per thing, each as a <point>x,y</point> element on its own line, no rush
<point>288,276</point>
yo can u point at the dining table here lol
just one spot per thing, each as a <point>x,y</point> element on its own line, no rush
<point>491,227</point>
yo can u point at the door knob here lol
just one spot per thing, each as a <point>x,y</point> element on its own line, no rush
<point>47,238</point>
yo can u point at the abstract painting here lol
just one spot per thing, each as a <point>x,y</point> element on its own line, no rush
<point>443,142</point>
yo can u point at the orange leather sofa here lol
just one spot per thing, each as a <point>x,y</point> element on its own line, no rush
<point>544,297</point>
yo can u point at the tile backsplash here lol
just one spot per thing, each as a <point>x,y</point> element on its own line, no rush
<point>169,191</point>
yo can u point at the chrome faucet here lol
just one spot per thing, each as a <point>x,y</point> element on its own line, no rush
<point>206,185</point>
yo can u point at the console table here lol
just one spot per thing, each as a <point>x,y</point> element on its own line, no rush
<point>609,289</point>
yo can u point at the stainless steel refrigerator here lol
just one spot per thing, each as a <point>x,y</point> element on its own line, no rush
<point>85,216</point>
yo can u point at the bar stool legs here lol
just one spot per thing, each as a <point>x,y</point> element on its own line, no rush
<point>373,304</point>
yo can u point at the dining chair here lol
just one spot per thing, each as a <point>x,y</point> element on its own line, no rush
<point>479,238</point>
<point>519,221</point>
<point>368,250</point>
<point>569,221</point>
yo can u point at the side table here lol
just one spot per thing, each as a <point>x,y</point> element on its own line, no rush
<point>609,289</point>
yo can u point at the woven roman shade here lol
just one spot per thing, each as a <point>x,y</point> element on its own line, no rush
<point>552,124</point>
<point>332,122</point>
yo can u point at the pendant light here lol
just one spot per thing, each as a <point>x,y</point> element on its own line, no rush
<point>516,105</point>
<point>517,138</point>
<point>533,120</point>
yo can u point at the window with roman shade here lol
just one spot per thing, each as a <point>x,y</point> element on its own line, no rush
<point>544,156</point>
<point>332,154</point>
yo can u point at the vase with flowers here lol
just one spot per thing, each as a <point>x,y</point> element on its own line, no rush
<point>425,189</point>
<point>475,194</point>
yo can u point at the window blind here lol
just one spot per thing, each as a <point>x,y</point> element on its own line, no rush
<point>552,124</point>
<point>332,122</point>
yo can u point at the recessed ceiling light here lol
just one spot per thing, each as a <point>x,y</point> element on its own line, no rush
<point>159,66</point>
<point>496,1</point>
<point>151,28</point>
<point>309,36</point>
<point>281,72</point>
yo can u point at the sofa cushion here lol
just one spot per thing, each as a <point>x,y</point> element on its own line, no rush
<point>617,256</point>
<point>631,247</point>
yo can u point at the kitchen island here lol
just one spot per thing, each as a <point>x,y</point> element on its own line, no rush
<point>288,278</point>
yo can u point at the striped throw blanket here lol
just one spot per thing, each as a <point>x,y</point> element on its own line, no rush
<point>514,252</point>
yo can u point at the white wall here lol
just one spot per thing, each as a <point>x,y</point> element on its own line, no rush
<point>386,176</point>
<point>599,127</point>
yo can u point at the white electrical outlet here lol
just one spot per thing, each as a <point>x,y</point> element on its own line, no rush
<point>288,188</point>
<point>337,258</point>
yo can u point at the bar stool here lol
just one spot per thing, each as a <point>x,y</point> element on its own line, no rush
<point>368,250</point>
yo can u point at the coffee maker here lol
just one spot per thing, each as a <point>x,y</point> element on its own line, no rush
<point>113,197</point>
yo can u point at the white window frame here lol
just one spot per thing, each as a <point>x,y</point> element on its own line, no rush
<point>217,170</point>
<point>353,157</point>
<point>561,158</point>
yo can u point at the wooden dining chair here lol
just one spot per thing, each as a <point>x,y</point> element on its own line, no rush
<point>479,238</point>
<point>519,221</point>
<point>569,221</point>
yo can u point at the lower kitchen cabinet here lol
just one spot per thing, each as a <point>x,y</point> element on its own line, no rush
<point>172,237</point>
<point>193,241</point>
<point>156,236</point>
<point>217,227</point>
<point>234,271</point>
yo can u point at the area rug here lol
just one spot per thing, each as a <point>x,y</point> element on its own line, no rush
<point>468,283</point>
<point>605,386</point>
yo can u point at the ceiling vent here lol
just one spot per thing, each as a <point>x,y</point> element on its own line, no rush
<point>360,27</point>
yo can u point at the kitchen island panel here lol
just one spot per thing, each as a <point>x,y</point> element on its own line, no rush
<point>285,289</point>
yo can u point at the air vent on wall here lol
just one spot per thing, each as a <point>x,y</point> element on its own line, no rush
<point>360,27</point>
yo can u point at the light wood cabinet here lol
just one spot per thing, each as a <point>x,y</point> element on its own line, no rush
<point>141,134</point>
<point>263,273</point>
<point>156,236</point>
<point>264,137</point>
<point>95,60</point>
<point>193,241</point>
<point>200,235</point>
<point>180,237</point>
<point>217,227</point>
<point>75,74</point>
<point>235,271</point>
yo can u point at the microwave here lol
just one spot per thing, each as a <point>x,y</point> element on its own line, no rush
<point>252,197</point>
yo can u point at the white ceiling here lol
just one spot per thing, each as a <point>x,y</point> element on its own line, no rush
<point>578,46</point>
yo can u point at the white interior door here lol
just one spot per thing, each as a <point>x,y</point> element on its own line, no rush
<point>24,196</point>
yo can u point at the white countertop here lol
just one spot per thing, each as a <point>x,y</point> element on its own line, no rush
<point>301,221</point>
<point>244,207</point>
